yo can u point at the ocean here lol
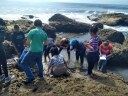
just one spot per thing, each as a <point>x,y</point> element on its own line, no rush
<point>76,11</point>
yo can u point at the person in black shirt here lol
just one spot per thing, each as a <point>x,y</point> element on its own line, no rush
<point>18,39</point>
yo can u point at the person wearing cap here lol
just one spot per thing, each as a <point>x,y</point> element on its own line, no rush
<point>80,50</point>
<point>64,44</point>
<point>18,39</point>
<point>37,38</point>
<point>92,50</point>
<point>3,60</point>
<point>106,49</point>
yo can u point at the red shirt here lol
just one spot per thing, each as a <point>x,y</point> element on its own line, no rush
<point>104,50</point>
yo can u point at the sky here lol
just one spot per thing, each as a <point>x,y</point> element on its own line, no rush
<point>125,2</point>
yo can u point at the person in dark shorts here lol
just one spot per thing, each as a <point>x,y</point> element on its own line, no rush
<point>50,44</point>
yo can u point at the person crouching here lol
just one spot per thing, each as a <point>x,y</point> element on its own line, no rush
<point>57,65</point>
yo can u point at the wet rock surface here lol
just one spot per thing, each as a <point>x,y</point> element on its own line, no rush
<point>114,19</point>
<point>65,24</point>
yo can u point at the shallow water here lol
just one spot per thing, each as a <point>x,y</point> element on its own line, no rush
<point>123,72</point>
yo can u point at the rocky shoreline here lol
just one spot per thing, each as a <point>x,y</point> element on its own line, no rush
<point>59,23</point>
<point>77,84</point>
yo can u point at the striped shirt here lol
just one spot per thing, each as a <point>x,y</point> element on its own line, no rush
<point>94,43</point>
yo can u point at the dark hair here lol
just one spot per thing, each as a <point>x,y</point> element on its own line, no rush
<point>93,29</point>
<point>16,26</point>
<point>66,41</point>
<point>2,22</point>
<point>38,23</point>
<point>54,51</point>
<point>106,43</point>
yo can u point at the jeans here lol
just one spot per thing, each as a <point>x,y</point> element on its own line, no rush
<point>3,62</point>
<point>81,56</point>
<point>29,59</point>
<point>92,60</point>
<point>102,65</point>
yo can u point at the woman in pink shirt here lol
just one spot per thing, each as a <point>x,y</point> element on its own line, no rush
<point>106,51</point>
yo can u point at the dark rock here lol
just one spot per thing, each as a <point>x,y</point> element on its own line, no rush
<point>99,25</point>
<point>112,35</point>
<point>27,17</point>
<point>23,18</point>
<point>9,49</point>
<point>114,19</point>
<point>51,31</point>
<point>60,18</point>
<point>93,18</point>
<point>120,54</point>
<point>65,24</point>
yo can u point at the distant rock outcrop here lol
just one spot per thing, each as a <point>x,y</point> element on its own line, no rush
<point>114,19</point>
<point>65,24</point>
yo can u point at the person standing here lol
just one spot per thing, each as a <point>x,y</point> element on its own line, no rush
<point>37,38</point>
<point>92,49</point>
<point>3,60</point>
<point>18,39</point>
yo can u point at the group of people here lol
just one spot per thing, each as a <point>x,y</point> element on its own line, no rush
<point>32,46</point>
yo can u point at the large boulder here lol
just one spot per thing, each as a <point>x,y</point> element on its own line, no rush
<point>99,25</point>
<point>65,24</point>
<point>112,35</point>
<point>51,31</point>
<point>114,19</point>
<point>120,56</point>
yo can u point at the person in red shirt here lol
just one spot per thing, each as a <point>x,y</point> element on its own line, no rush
<point>106,51</point>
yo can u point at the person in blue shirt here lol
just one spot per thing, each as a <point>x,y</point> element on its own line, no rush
<point>18,39</point>
<point>80,50</point>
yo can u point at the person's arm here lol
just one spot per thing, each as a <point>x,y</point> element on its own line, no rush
<point>111,52</point>
<point>45,39</point>
<point>87,45</point>
<point>65,64</point>
<point>28,41</point>
<point>100,50</point>
<point>49,67</point>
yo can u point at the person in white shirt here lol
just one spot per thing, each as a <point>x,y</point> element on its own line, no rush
<point>57,65</point>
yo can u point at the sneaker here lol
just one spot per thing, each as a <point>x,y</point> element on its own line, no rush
<point>28,81</point>
<point>2,77</point>
<point>9,79</point>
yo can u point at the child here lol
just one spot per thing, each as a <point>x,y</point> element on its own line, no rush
<point>106,50</point>
<point>57,66</point>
